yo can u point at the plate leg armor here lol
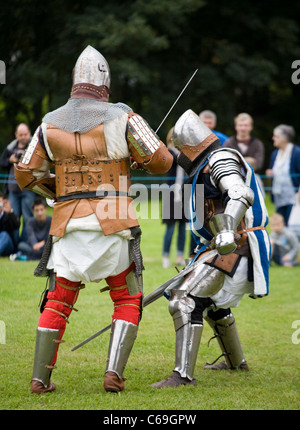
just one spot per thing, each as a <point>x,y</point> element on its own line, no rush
<point>186,306</point>
<point>187,314</point>
<point>188,339</point>
<point>51,327</point>
<point>223,324</point>
<point>188,336</point>
<point>122,338</point>
<point>126,293</point>
<point>45,350</point>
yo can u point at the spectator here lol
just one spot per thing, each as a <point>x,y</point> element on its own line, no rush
<point>37,229</point>
<point>210,120</point>
<point>9,223</point>
<point>21,201</point>
<point>284,244</point>
<point>285,170</point>
<point>294,218</point>
<point>173,214</point>
<point>249,146</point>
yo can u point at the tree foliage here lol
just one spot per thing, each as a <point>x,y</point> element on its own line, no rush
<point>243,52</point>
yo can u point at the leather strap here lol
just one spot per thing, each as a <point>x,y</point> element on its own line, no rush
<point>127,304</point>
<point>64,304</point>
<point>245,230</point>
<point>118,288</point>
<point>84,90</point>
<point>59,313</point>
<point>92,195</point>
<point>80,287</point>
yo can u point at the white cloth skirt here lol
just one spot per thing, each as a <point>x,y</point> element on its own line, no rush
<point>85,254</point>
<point>234,288</point>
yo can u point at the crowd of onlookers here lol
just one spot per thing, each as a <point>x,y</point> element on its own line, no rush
<point>25,225</point>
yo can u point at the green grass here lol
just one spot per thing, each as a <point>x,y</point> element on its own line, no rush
<point>264,325</point>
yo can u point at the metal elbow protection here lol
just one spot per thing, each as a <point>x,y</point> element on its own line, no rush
<point>226,174</point>
<point>241,197</point>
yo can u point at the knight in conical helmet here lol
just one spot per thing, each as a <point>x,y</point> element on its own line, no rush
<point>232,254</point>
<point>95,233</point>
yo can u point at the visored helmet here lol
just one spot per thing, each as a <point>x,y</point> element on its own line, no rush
<point>189,130</point>
<point>194,141</point>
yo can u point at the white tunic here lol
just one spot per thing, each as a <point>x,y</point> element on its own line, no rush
<point>85,254</point>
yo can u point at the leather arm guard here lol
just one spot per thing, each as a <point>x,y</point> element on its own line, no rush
<point>226,174</point>
<point>145,146</point>
<point>33,171</point>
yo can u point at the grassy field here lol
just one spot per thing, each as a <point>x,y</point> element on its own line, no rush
<point>265,328</point>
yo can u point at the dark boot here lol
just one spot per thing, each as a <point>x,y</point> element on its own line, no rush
<point>223,366</point>
<point>38,388</point>
<point>174,380</point>
<point>187,345</point>
<point>113,383</point>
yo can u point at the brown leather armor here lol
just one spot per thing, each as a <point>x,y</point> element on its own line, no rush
<point>82,166</point>
<point>83,174</point>
<point>82,163</point>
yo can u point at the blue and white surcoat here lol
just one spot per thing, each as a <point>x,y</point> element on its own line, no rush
<point>255,216</point>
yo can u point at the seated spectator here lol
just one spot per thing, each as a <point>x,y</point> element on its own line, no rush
<point>37,229</point>
<point>284,244</point>
<point>9,224</point>
<point>210,120</point>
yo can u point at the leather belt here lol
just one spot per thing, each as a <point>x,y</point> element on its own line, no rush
<point>245,230</point>
<point>92,195</point>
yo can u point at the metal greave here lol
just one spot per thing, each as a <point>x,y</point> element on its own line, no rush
<point>122,338</point>
<point>47,341</point>
<point>188,339</point>
<point>227,336</point>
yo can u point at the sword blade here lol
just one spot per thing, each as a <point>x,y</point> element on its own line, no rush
<point>103,330</point>
<point>176,100</point>
<point>155,294</point>
<point>151,297</point>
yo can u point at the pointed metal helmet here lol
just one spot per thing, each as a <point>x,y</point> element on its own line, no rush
<point>92,68</point>
<point>194,141</point>
<point>190,130</point>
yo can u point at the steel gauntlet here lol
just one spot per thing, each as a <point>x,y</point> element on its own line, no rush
<point>224,225</point>
<point>227,176</point>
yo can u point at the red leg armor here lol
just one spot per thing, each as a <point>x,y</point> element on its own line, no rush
<point>59,306</point>
<point>126,307</point>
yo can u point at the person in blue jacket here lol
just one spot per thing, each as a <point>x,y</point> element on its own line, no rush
<point>210,120</point>
<point>285,170</point>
